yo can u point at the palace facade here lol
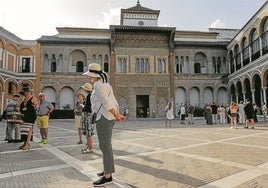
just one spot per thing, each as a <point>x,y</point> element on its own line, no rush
<point>149,65</point>
<point>19,66</point>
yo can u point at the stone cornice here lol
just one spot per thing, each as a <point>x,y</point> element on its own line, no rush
<point>142,29</point>
<point>201,44</point>
<point>56,40</point>
<point>12,37</point>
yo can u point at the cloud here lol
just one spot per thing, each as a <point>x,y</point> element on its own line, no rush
<point>218,24</point>
<point>112,17</point>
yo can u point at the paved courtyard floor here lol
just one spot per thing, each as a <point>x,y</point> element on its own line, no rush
<point>147,155</point>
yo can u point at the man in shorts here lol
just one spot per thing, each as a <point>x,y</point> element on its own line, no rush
<point>43,112</point>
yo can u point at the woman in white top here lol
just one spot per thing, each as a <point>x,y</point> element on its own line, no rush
<point>106,106</point>
<point>169,114</point>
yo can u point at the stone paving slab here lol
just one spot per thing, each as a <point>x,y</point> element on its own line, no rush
<point>21,160</point>
<point>62,178</point>
<point>253,140</point>
<point>205,136</point>
<point>4,146</point>
<point>168,142</point>
<point>228,152</point>
<point>261,181</point>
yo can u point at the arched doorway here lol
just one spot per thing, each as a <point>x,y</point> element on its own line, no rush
<point>257,86</point>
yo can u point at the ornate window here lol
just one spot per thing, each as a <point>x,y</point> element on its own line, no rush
<point>25,64</point>
<point>265,36</point>
<point>53,66</point>
<point>142,65</point>
<point>237,55</point>
<point>245,49</point>
<point>255,45</point>
<point>106,64</point>
<point>122,65</point>
<point>161,66</point>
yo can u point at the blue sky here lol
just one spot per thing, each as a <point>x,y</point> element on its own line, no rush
<point>194,15</point>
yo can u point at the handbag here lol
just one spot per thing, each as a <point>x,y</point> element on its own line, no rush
<point>93,116</point>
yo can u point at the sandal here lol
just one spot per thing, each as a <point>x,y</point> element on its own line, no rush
<point>26,147</point>
<point>22,146</point>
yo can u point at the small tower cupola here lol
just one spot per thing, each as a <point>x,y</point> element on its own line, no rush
<point>139,16</point>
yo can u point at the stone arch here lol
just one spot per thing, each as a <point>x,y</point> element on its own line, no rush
<point>11,58</point>
<point>51,94</point>
<point>256,86</point>
<point>180,95</point>
<point>78,61</point>
<point>265,85</point>
<point>232,92</point>
<point>254,43</point>
<point>66,98</point>
<point>25,51</point>
<point>239,90</point>
<point>265,77</point>
<point>208,95</point>
<point>231,61</point>
<point>263,26</point>
<point>255,73</point>
<point>245,50</point>
<point>247,88</point>
<point>11,86</point>
<point>195,96</point>
<point>222,96</point>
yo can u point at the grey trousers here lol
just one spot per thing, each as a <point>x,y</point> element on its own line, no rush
<point>10,128</point>
<point>104,131</point>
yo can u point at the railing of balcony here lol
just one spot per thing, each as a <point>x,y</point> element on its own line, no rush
<point>245,56</point>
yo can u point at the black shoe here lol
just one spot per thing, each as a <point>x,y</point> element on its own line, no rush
<point>103,181</point>
<point>17,141</point>
<point>10,141</point>
<point>100,173</point>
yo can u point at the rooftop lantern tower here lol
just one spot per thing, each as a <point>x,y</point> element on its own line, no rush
<point>139,16</point>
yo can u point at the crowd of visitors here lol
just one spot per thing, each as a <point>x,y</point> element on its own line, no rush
<point>244,114</point>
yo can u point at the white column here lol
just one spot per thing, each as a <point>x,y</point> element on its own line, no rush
<point>253,95</point>
<point>2,99</point>
<point>236,98</point>
<point>264,94</point>
<point>244,97</point>
<point>260,42</point>
<point>249,53</point>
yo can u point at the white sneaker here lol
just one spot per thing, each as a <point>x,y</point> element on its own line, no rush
<point>85,148</point>
<point>87,151</point>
